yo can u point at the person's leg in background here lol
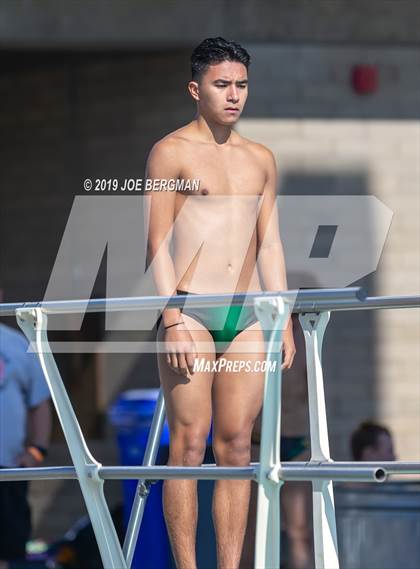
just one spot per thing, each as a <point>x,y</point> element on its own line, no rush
<point>15,521</point>
<point>296,520</point>
<point>296,505</point>
<point>296,497</point>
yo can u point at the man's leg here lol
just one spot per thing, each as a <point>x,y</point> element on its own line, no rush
<point>188,410</point>
<point>248,550</point>
<point>296,497</point>
<point>237,400</point>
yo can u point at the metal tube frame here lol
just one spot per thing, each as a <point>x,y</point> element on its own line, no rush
<point>272,310</point>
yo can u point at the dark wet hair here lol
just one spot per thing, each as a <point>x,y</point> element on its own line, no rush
<point>215,50</point>
<point>366,435</point>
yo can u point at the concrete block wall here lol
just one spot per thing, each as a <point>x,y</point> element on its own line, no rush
<point>139,25</point>
<point>66,117</point>
<point>338,143</point>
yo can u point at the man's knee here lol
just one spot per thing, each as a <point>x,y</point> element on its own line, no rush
<point>234,450</point>
<point>187,447</point>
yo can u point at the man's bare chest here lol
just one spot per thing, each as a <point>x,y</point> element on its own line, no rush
<point>224,175</point>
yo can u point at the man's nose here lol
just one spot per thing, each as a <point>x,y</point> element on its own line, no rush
<point>233,94</point>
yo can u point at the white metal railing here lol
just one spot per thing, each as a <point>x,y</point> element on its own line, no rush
<point>272,310</point>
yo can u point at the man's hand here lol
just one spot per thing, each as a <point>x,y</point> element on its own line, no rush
<point>27,460</point>
<point>288,347</point>
<point>180,350</point>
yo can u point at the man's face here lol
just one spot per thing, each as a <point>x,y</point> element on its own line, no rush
<point>222,92</point>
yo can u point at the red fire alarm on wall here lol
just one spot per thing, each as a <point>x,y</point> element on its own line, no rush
<point>364,79</point>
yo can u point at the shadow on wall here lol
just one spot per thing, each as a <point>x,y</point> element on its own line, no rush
<point>323,248</point>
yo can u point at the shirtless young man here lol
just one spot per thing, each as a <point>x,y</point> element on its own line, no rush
<point>235,174</point>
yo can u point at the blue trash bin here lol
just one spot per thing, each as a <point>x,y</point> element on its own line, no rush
<point>132,416</point>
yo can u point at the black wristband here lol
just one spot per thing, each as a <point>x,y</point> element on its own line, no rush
<point>170,325</point>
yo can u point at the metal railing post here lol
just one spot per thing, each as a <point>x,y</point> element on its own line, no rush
<point>273,314</point>
<point>325,530</point>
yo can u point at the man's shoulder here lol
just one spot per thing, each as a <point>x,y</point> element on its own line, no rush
<point>171,142</point>
<point>259,149</point>
<point>262,153</point>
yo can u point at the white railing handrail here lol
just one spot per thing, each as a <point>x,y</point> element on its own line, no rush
<point>307,300</point>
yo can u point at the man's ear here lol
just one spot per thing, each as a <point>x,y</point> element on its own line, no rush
<point>194,90</point>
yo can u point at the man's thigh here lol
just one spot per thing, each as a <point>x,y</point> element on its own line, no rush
<point>188,399</point>
<point>237,395</point>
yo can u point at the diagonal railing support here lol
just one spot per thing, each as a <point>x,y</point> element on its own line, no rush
<point>143,486</point>
<point>33,323</point>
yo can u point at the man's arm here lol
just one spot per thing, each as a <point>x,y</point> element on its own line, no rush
<point>271,263</point>
<point>162,163</point>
